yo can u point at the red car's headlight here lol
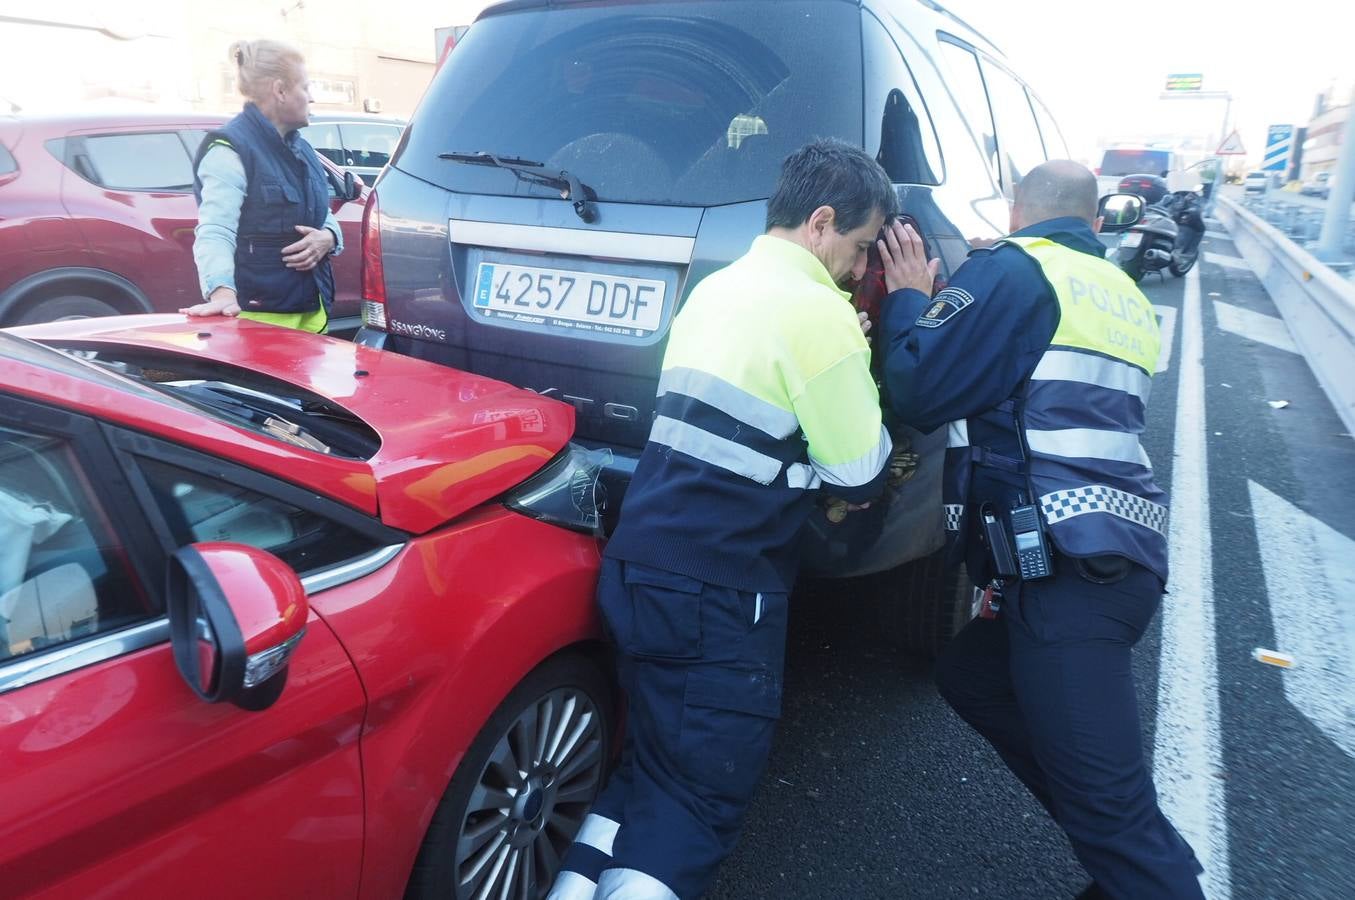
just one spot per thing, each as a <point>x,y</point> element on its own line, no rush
<point>567,491</point>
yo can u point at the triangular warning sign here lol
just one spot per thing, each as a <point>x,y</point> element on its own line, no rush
<point>1231,146</point>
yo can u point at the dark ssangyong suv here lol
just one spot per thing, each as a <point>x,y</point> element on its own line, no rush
<point>575,168</point>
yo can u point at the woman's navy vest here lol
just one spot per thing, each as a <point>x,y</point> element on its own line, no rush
<point>285,186</point>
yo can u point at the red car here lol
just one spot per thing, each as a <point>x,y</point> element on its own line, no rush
<point>282,616</point>
<point>97,216</point>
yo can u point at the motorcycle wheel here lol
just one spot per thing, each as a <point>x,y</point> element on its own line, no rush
<point>1184,264</point>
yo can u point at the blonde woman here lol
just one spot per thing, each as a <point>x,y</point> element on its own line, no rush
<point>265,232</point>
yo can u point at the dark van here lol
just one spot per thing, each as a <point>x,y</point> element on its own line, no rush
<point>576,167</point>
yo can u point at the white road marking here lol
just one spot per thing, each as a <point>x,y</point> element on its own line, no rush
<point>1166,329</point>
<point>1231,262</point>
<point>1254,326</point>
<point>1187,764</point>
<point>1310,577</point>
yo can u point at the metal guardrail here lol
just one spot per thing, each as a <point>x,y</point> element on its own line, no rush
<point>1303,225</point>
<point>1317,304</point>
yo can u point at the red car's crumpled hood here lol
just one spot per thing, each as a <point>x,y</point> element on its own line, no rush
<point>449,440</point>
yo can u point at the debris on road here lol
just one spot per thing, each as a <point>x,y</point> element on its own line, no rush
<point>1278,404</point>
<point>1273,658</point>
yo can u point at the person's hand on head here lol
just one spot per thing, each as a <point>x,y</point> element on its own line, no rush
<point>307,253</point>
<point>905,260</point>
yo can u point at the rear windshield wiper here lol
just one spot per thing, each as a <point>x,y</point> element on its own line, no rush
<point>571,188</point>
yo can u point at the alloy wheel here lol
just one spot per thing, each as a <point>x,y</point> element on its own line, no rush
<point>530,799</point>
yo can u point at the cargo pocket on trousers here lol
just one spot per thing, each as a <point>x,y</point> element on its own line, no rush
<point>728,717</point>
<point>665,613</point>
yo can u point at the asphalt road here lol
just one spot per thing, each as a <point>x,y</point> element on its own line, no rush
<point>876,790</point>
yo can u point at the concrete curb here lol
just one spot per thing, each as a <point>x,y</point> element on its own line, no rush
<point>1317,305</point>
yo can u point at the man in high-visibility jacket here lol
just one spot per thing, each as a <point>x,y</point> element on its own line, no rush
<point>1039,355</point>
<point>765,396</point>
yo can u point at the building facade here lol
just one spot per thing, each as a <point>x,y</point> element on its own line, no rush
<point>171,55</point>
<point>1322,138</point>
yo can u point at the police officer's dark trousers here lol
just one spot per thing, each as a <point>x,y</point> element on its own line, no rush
<point>1049,683</point>
<point>701,666</point>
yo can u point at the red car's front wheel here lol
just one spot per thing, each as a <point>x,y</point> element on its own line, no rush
<point>523,789</point>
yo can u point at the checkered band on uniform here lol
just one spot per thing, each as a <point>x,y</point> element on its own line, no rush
<point>1100,498</point>
<point>953,513</point>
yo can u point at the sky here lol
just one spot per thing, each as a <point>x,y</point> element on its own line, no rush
<point>1100,66</point>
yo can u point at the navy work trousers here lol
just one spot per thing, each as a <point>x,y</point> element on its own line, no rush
<point>1049,683</point>
<point>701,666</point>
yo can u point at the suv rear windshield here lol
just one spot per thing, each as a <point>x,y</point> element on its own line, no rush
<point>693,103</point>
<point>1135,162</point>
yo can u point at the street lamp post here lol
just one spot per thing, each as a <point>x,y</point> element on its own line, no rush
<point>1341,195</point>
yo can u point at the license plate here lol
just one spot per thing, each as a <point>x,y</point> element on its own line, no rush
<point>1131,239</point>
<point>559,298</point>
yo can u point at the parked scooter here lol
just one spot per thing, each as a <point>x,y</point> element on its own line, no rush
<point>1168,237</point>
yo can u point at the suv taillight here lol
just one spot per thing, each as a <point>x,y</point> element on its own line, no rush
<point>373,273</point>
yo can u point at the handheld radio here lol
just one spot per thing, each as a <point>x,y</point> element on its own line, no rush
<point>1032,549</point>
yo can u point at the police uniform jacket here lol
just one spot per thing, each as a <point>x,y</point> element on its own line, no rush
<point>1037,357</point>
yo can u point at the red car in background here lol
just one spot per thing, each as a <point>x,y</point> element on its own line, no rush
<point>97,216</point>
<point>283,616</point>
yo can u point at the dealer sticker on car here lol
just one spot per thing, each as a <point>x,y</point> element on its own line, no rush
<point>610,304</point>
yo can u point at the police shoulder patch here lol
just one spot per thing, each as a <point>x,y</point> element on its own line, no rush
<point>943,307</point>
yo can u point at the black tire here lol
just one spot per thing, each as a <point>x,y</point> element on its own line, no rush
<point>1184,266</point>
<point>64,306</point>
<point>470,833</point>
<point>921,605</point>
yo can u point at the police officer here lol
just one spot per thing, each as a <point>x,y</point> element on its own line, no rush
<point>765,395</point>
<point>1039,355</point>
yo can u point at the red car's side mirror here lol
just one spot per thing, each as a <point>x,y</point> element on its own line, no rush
<point>236,613</point>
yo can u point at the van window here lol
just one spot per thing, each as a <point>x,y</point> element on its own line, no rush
<point>896,117</point>
<point>369,145</point>
<point>1054,146</point>
<point>192,140</point>
<point>693,103</point>
<point>1018,139</point>
<point>324,138</point>
<point>140,162</point>
<point>1135,162</point>
<point>972,98</point>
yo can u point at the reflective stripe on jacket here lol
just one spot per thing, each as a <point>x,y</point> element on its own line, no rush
<point>765,395</point>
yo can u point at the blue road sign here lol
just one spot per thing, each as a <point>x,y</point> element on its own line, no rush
<point>1279,146</point>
